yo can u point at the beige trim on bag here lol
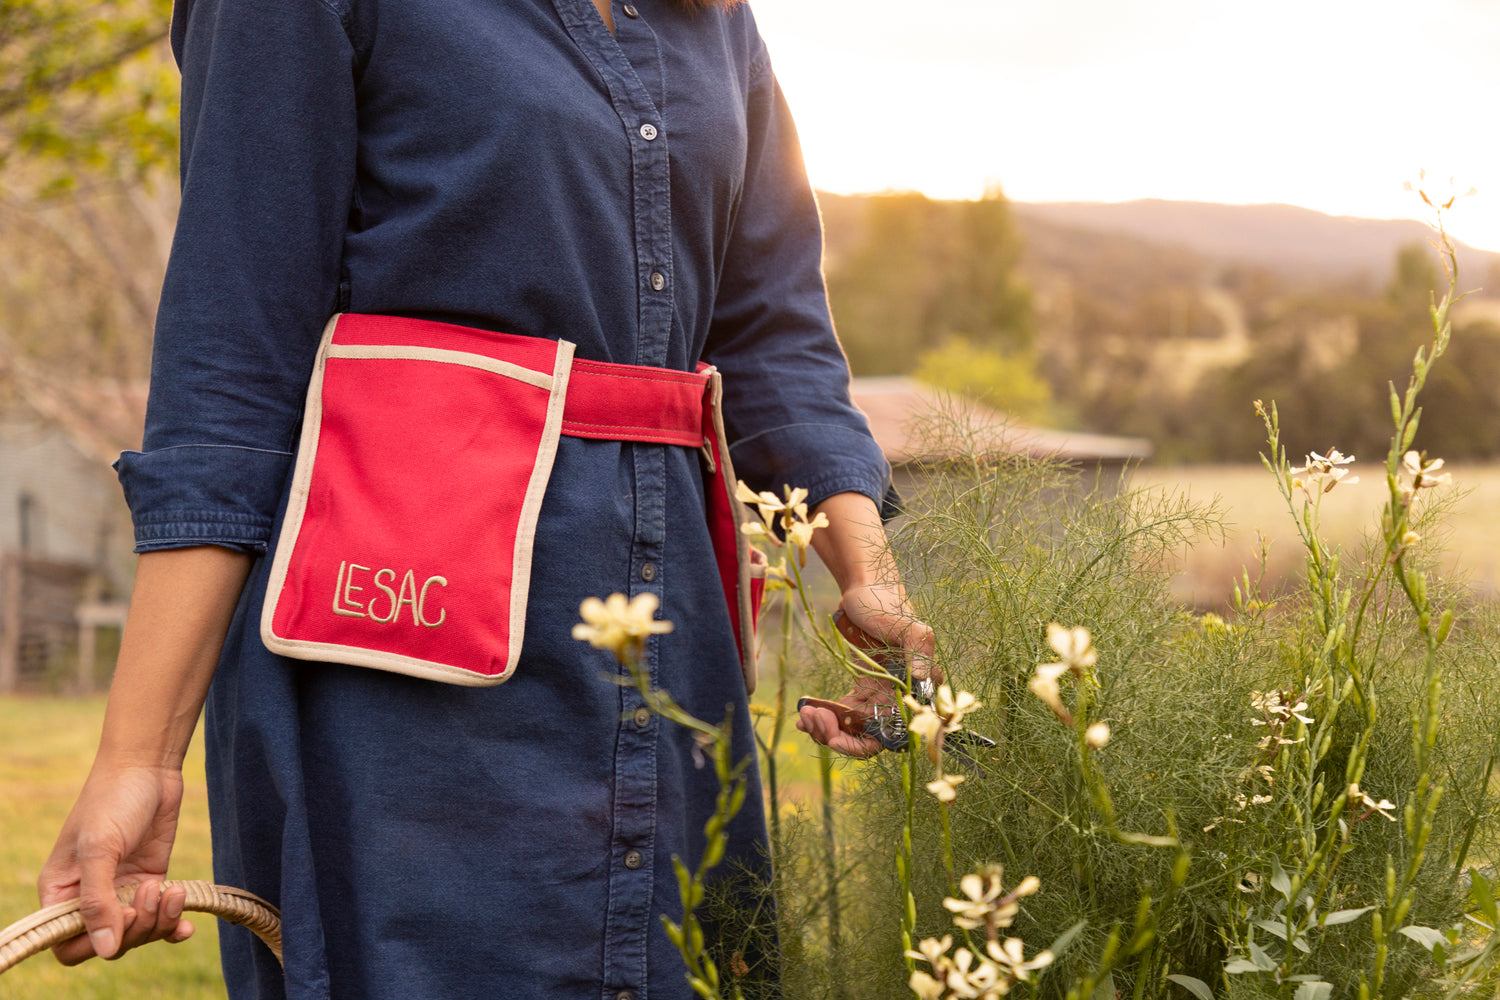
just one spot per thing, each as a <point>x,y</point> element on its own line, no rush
<point>743,558</point>
<point>381,352</point>
<point>531,506</point>
<point>556,384</point>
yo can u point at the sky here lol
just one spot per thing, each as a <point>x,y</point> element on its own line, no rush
<point>1328,104</point>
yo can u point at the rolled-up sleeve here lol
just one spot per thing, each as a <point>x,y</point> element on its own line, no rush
<point>268,154</point>
<point>786,381</point>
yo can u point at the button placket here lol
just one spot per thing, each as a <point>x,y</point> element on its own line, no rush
<point>630,65</point>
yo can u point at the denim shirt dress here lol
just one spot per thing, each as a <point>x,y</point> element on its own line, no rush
<point>510,165</point>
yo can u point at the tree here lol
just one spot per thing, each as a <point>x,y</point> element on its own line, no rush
<point>85,83</point>
<point>1007,382</point>
<point>922,270</point>
<point>88,136</point>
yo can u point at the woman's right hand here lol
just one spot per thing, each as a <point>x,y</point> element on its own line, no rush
<point>120,832</point>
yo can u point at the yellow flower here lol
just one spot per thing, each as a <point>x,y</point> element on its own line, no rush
<point>984,981</point>
<point>1421,474</point>
<point>1273,705</point>
<point>924,721</point>
<point>980,893</point>
<point>952,708</point>
<point>1323,472</point>
<point>1358,799</point>
<point>925,987</point>
<point>777,576</point>
<point>619,624</point>
<point>946,787</point>
<point>984,904</point>
<point>799,532</point>
<point>932,950</point>
<point>1074,646</point>
<point>1012,958</point>
<point>790,511</point>
<point>765,504</point>
<point>1044,686</point>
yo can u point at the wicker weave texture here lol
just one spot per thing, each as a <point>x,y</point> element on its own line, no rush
<point>56,924</point>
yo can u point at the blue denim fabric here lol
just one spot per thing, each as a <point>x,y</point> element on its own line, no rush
<point>484,163</point>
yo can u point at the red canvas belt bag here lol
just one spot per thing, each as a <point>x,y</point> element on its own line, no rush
<point>425,453</point>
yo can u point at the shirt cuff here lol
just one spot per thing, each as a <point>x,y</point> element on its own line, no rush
<point>203,495</point>
<point>823,459</point>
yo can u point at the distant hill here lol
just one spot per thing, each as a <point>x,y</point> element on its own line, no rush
<point>1294,242</point>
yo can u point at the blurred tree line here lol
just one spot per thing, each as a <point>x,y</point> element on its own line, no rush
<point>934,287</point>
<point>1088,330</point>
<point>1347,404</point>
<point>1110,334</point>
<point>88,135</point>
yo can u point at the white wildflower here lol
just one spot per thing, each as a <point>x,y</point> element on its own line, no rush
<point>945,787</point>
<point>619,624</point>
<point>1321,473</point>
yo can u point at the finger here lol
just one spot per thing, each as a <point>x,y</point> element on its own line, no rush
<point>823,727</point>
<point>80,949</point>
<point>181,933</point>
<point>819,723</point>
<point>862,747</point>
<point>147,906</point>
<point>103,917</point>
<point>169,918</point>
<point>74,950</point>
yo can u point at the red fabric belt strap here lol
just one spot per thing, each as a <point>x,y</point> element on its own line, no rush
<point>605,401</point>
<point>635,403</point>
<point>399,411</point>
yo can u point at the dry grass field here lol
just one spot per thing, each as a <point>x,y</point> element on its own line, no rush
<point>46,745</point>
<point>1254,509</point>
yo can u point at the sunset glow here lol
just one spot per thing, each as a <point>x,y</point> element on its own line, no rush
<point>1331,105</point>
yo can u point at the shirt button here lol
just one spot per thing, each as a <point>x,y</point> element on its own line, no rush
<point>634,860</point>
<point>648,131</point>
<point>658,281</point>
<point>648,571</point>
<point>630,11</point>
<point>643,717</point>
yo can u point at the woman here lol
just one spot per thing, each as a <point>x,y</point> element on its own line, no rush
<point>624,176</point>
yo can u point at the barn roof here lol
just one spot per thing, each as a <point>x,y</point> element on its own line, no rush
<point>902,412</point>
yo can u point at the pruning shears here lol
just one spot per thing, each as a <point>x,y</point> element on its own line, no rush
<point>883,723</point>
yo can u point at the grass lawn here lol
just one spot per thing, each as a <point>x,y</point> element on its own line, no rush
<point>1205,575</point>
<point>46,745</point>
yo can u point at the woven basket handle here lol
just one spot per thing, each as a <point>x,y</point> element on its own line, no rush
<point>55,924</point>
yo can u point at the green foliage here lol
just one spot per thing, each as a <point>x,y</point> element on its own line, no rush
<point>918,270</point>
<point>1298,802</point>
<point>1002,549</point>
<point>1148,357</point>
<point>1008,382</point>
<point>86,86</point>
